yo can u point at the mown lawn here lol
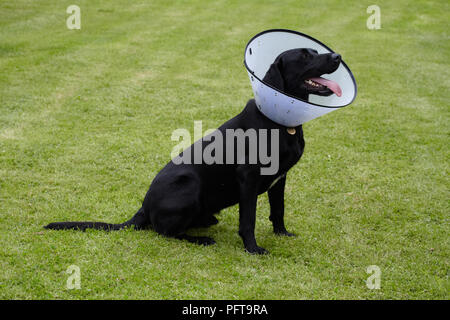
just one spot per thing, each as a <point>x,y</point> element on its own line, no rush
<point>86,118</point>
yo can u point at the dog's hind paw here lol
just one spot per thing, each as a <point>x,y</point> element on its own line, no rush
<point>284,233</point>
<point>281,231</point>
<point>205,241</point>
<point>256,250</point>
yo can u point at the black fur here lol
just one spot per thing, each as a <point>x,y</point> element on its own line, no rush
<point>188,196</point>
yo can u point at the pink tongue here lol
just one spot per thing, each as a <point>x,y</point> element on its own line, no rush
<point>333,86</point>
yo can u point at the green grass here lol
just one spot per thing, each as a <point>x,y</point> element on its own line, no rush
<point>85,123</point>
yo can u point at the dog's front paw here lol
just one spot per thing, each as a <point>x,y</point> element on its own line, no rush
<point>283,232</point>
<point>256,250</point>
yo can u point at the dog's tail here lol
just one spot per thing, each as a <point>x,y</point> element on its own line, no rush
<point>83,225</point>
<point>139,221</point>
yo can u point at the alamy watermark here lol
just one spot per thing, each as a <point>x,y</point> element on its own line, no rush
<point>74,279</point>
<point>74,20</point>
<point>374,20</point>
<point>234,146</point>
<point>374,281</point>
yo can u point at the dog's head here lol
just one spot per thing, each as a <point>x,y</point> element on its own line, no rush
<point>297,72</point>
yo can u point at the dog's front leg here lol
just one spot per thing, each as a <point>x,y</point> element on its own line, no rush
<point>248,194</point>
<point>276,200</point>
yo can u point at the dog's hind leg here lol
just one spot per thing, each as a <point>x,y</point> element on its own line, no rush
<point>204,222</point>
<point>174,206</point>
<point>140,220</point>
<point>175,225</point>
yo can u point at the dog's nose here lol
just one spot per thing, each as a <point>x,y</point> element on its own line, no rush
<point>336,57</point>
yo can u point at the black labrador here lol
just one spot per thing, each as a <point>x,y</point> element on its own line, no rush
<point>188,195</point>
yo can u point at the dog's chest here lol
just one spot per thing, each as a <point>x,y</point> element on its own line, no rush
<point>290,153</point>
<point>291,149</point>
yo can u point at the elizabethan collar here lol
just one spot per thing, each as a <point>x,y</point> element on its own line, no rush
<point>286,110</point>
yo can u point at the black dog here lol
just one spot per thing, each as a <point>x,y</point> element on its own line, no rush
<point>184,196</point>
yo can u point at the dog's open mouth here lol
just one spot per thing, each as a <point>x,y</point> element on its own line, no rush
<point>323,86</point>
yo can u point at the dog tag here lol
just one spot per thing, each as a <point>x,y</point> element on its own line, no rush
<point>291,131</point>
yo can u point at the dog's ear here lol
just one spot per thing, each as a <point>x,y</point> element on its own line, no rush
<point>273,75</point>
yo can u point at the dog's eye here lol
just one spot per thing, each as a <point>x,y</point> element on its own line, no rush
<point>304,55</point>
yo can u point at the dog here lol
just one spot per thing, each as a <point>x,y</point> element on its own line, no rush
<point>184,196</point>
